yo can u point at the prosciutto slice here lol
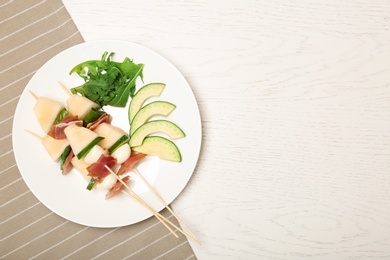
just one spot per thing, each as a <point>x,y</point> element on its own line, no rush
<point>68,166</point>
<point>131,162</point>
<point>98,170</point>
<point>105,118</point>
<point>57,130</point>
<point>116,188</point>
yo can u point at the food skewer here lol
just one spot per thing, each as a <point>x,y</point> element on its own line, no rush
<point>158,216</point>
<point>139,199</point>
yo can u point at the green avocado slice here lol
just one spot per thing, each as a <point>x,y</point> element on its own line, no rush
<point>161,147</point>
<point>163,126</point>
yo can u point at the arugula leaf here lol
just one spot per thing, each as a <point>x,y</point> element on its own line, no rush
<point>108,82</point>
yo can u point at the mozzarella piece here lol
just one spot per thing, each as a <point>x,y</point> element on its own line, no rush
<point>94,154</point>
<point>122,153</point>
<point>107,182</point>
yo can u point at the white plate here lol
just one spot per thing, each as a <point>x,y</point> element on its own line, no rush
<point>66,195</point>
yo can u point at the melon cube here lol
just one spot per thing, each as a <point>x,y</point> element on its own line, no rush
<point>80,106</point>
<point>46,110</point>
<point>79,137</point>
<point>110,133</point>
<point>81,166</point>
<point>54,147</point>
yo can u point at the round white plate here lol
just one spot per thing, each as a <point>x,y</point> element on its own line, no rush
<point>66,195</point>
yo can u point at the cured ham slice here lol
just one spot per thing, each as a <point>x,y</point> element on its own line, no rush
<point>98,170</point>
<point>57,131</point>
<point>116,188</point>
<point>105,118</point>
<point>131,162</point>
<point>68,166</point>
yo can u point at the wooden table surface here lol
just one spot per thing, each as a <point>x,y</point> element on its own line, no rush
<point>295,104</point>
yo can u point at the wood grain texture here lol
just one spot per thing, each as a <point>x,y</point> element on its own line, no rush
<point>295,105</point>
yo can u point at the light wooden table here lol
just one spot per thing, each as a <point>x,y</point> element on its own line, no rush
<point>295,105</point>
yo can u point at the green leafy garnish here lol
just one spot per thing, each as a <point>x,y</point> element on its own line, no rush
<point>108,82</point>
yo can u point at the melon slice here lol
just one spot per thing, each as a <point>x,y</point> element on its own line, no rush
<point>46,110</point>
<point>54,147</point>
<point>80,106</point>
<point>79,137</point>
<point>110,133</point>
<point>81,166</point>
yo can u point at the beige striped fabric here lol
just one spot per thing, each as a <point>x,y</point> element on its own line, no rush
<point>31,32</point>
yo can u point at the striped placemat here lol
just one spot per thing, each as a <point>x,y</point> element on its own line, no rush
<point>31,32</point>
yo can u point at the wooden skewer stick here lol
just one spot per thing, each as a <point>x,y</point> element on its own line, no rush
<point>162,201</point>
<point>152,210</point>
<point>65,89</point>
<point>34,134</point>
<point>169,222</point>
<point>156,214</point>
<point>33,94</point>
<point>161,218</point>
<point>138,199</point>
<point>148,207</point>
